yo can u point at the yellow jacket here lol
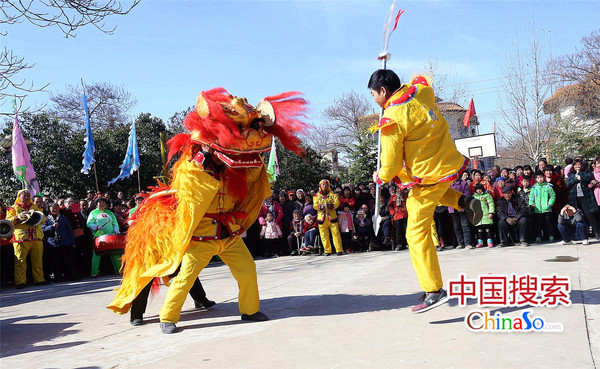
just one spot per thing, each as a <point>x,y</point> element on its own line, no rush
<point>24,232</point>
<point>330,199</point>
<point>416,145</point>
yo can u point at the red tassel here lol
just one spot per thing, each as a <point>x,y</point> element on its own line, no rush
<point>289,109</point>
<point>177,143</point>
<point>237,186</point>
<point>155,287</point>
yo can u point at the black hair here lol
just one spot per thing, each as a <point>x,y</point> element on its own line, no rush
<point>384,78</point>
<point>568,161</point>
<point>99,199</point>
<point>518,166</point>
<point>527,167</point>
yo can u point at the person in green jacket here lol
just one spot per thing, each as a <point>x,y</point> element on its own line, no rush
<point>541,200</point>
<point>485,228</point>
<point>102,221</point>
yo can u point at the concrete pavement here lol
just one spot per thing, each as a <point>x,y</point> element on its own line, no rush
<point>350,311</point>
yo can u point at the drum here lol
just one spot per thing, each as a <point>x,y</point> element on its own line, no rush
<point>109,243</point>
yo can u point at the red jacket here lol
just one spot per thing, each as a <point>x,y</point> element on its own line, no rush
<point>351,201</point>
<point>560,189</point>
<point>398,211</point>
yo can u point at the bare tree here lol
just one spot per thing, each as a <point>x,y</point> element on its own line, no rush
<point>583,65</point>
<point>10,65</point>
<point>67,15</point>
<point>108,105</point>
<point>176,121</point>
<point>526,86</point>
<point>452,91</point>
<point>346,120</point>
<point>582,68</point>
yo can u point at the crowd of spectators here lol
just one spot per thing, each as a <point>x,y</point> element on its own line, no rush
<point>522,205</point>
<point>69,229</point>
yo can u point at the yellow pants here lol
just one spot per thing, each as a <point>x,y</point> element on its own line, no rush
<point>420,206</point>
<point>335,233</point>
<point>234,253</point>
<point>22,249</point>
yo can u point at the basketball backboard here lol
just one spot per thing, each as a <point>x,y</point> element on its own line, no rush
<point>482,146</point>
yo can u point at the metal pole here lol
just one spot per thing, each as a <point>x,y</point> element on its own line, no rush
<point>96,177</point>
<point>376,216</point>
<point>139,184</point>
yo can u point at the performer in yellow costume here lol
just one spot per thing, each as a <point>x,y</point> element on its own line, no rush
<point>27,239</point>
<point>218,186</point>
<point>417,150</point>
<point>326,203</point>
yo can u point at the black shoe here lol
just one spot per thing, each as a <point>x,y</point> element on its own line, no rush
<point>256,317</point>
<point>340,253</point>
<point>20,286</point>
<point>204,303</point>
<point>327,254</point>
<point>431,300</point>
<point>167,328</point>
<point>136,321</point>
<point>473,208</point>
<point>43,283</point>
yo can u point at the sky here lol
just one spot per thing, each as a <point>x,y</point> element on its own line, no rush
<point>166,52</point>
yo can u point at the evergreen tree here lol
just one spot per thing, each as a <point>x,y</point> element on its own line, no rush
<point>364,154</point>
<point>299,172</point>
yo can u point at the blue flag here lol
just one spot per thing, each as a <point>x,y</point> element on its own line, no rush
<point>90,149</point>
<point>132,157</point>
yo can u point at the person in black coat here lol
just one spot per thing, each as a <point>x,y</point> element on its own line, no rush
<point>61,241</point>
<point>512,212</point>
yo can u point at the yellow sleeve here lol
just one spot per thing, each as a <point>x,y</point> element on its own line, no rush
<point>11,213</point>
<point>392,149</point>
<point>336,201</point>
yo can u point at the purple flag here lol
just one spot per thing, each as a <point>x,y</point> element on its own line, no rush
<point>22,161</point>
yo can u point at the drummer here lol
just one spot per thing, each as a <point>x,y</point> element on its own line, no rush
<point>102,222</point>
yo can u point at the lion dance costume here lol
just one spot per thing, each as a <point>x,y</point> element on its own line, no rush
<point>217,189</point>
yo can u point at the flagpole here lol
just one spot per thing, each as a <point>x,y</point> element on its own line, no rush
<point>376,216</point>
<point>139,183</point>
<point>96,177</point>
<point>12,139</point>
